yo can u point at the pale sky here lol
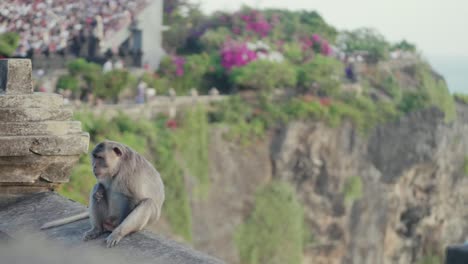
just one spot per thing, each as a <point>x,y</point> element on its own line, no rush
<point>436,26</point>
<point>439,28</point>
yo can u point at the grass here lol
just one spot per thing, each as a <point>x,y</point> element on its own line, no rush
<point>352,189</point>
<point>430,259</point>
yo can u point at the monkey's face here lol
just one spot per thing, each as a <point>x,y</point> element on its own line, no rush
<point>105,163</point>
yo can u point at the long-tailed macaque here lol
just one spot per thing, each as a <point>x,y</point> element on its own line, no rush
<point>129,193</point>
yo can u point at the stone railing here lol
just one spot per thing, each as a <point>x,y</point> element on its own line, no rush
<point>160,104</point>
<point>39,142</point>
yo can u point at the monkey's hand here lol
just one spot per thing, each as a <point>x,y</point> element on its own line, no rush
<point>92,234</point>
<point>114,238</point>
<point>98,196</point>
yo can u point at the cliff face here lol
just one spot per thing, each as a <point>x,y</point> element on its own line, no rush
<point>395,195</point>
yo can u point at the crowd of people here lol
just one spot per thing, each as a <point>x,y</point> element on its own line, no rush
<point>58,26</point>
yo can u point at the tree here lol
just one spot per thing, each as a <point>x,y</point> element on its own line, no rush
<point>367,40</point>
<point>113,83</point>
<point>321,75</point>
<point>8,43</point>
<point>263,74</point>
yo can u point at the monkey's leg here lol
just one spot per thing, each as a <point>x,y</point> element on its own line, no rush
<point>135,221</point>
<point>98,210</point>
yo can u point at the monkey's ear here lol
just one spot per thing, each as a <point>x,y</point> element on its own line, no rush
<point>117,151</point>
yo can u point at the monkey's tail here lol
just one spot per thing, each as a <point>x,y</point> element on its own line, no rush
<point>65,220</point>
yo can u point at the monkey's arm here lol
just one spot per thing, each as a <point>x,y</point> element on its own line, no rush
<point>65,220</point>
<point>145,211</point>
<point>98,208</point>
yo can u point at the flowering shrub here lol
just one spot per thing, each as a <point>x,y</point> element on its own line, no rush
<point>185,73</point>
<point>179,65</point>
<point>171,123</point>
<point>325,48</point>
<point>265,75</point>
<point>236,54</point>
<point>325,101</point>
<point>317,44</point>
<point>256,22</point>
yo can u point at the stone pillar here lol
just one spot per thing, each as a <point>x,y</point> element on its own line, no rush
<point>39,144</point>
<point>213,91</point>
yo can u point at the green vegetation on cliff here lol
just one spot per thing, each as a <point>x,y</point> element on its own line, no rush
<point>437,92</point>
<point>353,189</point>
<point>430,259</point>
<point>465,166</point>
<point>461,98</point>
<point>273,233</point>
<point>192,144</point>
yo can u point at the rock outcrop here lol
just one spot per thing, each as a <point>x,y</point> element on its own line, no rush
<point>411,205</point>
<point>413,187</point>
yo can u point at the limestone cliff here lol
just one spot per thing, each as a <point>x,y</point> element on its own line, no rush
<point>410,200</point>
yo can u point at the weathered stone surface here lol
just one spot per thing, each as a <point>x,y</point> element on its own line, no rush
<point>31,168</point>
<point>56,128</point>
<point>34,114</point>
<point>457,254</point>
<point>39,145</point>
<point>73,144</point>
<point>141,247</point>
<point>16,76</point>
<point>35,100</point>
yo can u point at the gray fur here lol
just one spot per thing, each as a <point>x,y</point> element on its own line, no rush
<point>129,193</point>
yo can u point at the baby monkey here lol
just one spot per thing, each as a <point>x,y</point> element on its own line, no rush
<point>129,193</point>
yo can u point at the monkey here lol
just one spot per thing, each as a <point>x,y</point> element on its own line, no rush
<point>128,195</point>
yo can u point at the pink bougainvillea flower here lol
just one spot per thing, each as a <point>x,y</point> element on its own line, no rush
<point>316,38</point>
<point>326,49</point>
<point>179,62</point>
<point>325,101</point>
<point>256,22</point>
<point>171,123</point>
<point>236,54</point>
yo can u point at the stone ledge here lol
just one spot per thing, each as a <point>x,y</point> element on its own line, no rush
<point>457,254</point>
<point>34,114</point>
<point>66,145</point>
<point>31,168</point>
<point>32,211</point>
<point>35,100</point>
<point>56,128</point>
